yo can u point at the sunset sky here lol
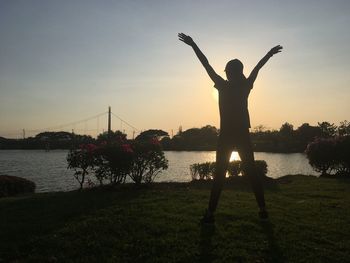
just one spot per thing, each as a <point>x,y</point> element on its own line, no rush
<point>63,61</point>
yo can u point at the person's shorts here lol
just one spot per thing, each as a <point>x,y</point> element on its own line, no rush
<point>234,138</point>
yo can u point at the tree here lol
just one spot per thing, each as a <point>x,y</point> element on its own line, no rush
<point>148,161</point>
<point>344,128</point>
<point>114,135</point>
<point>82,161</point>
<point>259,129</point>
<point>149,134</point>
<point>197,138</point>
<point>307,133</point>
<point>327,129</point>
<point>286,129</point>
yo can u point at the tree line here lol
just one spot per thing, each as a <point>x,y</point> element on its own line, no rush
<point>286,139</point>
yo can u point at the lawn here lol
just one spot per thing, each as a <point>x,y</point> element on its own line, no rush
<point>309,222</point>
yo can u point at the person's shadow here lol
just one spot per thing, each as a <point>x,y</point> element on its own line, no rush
<point>205,243</point>
<point>274,253</point>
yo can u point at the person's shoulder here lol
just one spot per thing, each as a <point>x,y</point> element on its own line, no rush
<point>220,83</point>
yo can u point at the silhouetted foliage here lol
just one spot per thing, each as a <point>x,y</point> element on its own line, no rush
<point>204,138</point>
<point>234,168</point>
<point>113,135</point>
<point>114,160</point>
<point>148,161</point>
<point>307,133</point>
<point>47,140</point>
<point>150,134</point>
<point>327,129</point>
<point>82,161</point>
<point>330,154</point>
<point>344,128</point>
<point>202,171</point>
<point>206,171</point>
<point>285,140</point>
<point>287,129</point>
<point>13,185</point>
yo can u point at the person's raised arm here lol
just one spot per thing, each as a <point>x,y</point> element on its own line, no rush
<point>262,62</point>
<point>189,41</point>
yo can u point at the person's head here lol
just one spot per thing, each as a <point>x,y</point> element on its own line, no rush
<point>234,69</point>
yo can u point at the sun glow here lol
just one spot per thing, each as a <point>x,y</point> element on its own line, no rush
<point>215,95</point>
<point>234,157</point>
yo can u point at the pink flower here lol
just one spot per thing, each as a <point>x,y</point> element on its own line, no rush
<point>91,147</point>
<point>127,148</point>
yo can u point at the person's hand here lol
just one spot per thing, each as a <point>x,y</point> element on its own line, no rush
<point>186,39</point>
<point>275,50</point>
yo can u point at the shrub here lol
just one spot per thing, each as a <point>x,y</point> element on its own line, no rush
<point>321,153</point>
<point>261,167</point>
<point>342,155</point>
<point>13,185</point>
<point>148,161</point>
<point>194,171</point>
<point>202,171</point>
<point>234,168</point>
<point>113,161</point>
<point>82,161</point>
<point>330,154</point>
<point>142,161</point>
<point>206,171</point>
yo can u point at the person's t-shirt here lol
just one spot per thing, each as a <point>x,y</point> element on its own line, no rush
<point>233,104</point>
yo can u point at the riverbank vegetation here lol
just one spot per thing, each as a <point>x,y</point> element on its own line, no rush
<point>287,139</point>
<point>159,223</point>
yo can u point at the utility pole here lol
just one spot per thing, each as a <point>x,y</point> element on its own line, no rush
<point>24,133</point>
<point>109,122</point>
<point>109,132</point>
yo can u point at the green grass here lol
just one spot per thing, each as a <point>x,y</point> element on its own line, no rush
<point>309,222</point>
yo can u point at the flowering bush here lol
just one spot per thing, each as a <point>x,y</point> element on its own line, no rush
<point>114,161</point>
<point>82,161</point>
<point>142,161</point>
<point>148,161</point>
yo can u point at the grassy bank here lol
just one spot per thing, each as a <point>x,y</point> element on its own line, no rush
<point>309,223</point>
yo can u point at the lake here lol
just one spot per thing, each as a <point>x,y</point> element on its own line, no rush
<point>49,169</point>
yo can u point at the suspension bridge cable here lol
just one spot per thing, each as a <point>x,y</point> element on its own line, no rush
<point>68,124</point>
<point>125,122</point>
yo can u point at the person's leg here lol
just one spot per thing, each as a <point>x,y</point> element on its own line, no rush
<point>223,155</point>
<point>245,151</point>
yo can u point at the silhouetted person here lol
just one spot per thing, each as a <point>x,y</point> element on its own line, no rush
<point>234,124</point>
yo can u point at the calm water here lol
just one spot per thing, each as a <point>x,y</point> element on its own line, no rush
<point>49,169</point>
